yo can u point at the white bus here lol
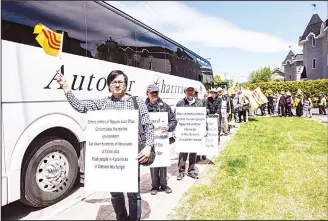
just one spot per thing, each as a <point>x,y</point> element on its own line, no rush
<point>42,137</point>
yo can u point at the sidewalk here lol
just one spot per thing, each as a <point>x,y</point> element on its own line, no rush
<point>98,206</point>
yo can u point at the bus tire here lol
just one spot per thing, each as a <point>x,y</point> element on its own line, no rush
<point>49,172</point>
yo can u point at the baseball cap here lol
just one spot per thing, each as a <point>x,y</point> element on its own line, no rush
<point>213,90</point>
<point>152,88</point>
<point>189,87</point>
<point>220,89</point>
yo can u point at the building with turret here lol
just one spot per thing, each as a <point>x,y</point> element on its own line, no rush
<point>312,63</point>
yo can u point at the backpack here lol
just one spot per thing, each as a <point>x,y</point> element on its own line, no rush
<point>142,138</point>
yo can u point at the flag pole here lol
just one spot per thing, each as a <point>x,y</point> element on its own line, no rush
<point>61,46</point>
<point>61,53</point>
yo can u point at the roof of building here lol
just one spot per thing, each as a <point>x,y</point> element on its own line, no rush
<point>289,56</point>
<point>313,26</point>
<point>277,71</point>
<point>298,57</point>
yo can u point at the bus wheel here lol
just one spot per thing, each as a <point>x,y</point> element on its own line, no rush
<point>49,172</point>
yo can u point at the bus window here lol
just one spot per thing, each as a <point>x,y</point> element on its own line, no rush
<point>176,58</point>
<point>19,18</point>
<point>111,37</point>
<point>151,51</point>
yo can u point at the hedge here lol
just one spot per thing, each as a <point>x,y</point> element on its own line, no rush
<point>311,87</point>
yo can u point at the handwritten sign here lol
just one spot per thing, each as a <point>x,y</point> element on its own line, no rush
<point>161,139</point>
<point>212,138</point>
<point>191,129</point>
<point>111,152</point>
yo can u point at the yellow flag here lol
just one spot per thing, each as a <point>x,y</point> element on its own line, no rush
<point>300,92</point>
<point>50,41</point>
<point>233,87</point>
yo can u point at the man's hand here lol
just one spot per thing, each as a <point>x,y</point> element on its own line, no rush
<point>165,128</point>
<point>62,81</point>
<point>143,156</point>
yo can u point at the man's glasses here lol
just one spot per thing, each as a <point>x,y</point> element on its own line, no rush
<point>114,83</point>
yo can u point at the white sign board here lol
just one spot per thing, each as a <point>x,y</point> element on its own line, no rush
<point>161,139</point>
<point>191,129</point>
<point>212,138</point>
<point>111,163</point>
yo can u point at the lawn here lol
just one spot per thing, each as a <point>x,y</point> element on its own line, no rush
<point>273,168</point>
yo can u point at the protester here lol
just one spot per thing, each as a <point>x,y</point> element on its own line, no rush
<point>270,104</point>
<point>205,98</point>
<point>213,105</point>
<point>282,104</point>
<point>188,101</point>
<point>322,104</point>
<point>243,105</point>
<point>155,104</point>
<point>235,106</point>
<point>212,109</point>
<point>262,108</point>
<point>307,105</point>
<point>224,111</point>
<point>229,110</point>
<point>120,100</point>
<point>233,118</point>
<point>289,104</point>
<point>299,105</point>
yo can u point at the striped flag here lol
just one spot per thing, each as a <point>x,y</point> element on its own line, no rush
<point>256,97</point>
<point>50,41</point>
<point>259,96</point>
<point>250,97</point>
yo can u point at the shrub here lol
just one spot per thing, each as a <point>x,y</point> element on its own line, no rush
<point>312,87</point>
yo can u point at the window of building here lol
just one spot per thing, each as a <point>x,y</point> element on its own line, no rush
<point>313,63</point>
<point>314,42</point>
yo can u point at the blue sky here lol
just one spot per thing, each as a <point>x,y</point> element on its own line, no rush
<point>238,36</point>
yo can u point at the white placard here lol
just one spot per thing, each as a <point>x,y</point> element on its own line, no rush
<point>111,151</point>
<point>224,112</point>
<point>191,129</point>
<point>212,138</point>
<point>161,139</point>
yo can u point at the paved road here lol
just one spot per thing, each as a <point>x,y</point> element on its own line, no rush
<point>82,205</point>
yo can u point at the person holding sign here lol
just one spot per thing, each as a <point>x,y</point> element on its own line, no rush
<point>155,104</point>
<point>188,101</point>
<point>120,100</point>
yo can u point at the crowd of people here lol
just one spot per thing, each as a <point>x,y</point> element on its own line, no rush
<point>284,103</point>
<point>229,108</point>
<point>119,99</point>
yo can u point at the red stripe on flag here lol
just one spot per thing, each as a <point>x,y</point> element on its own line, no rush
<point>51,36</point>
<point>49,41</point>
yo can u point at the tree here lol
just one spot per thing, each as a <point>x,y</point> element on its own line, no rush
<point>260,75</point>
<point>217,79</point>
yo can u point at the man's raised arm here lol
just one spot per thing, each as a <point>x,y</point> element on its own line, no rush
<point>78,105</point>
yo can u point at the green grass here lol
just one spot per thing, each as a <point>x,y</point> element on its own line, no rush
<point>274,168</point>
